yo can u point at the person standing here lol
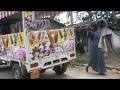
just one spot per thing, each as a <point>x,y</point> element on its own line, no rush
<point>96,57</point>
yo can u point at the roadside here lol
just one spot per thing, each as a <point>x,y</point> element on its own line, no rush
<point>77,72</point>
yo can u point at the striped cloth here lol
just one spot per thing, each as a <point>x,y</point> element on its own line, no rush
<point>47,14</point>
<point>39,14</point>
<point>6,13</point>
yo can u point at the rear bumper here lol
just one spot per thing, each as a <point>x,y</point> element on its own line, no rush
<point>51,61</point>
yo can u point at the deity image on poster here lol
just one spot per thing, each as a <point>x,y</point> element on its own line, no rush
<point>42,24</point>
<point>12,46</point>
<point>41,44</point>
<point>46,43</point>
<point>29,17</point>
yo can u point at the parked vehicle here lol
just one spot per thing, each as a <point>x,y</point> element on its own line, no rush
<point>30,51</point>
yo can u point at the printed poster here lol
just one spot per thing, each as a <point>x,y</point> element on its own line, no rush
<point>45,43</point>
<point>29,17</point>
<point>41,43</point>
<point>42,24</point>
<point>12,46</point>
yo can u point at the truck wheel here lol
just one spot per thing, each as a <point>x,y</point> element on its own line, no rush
<point>16,72</point>
<point>60,70</point>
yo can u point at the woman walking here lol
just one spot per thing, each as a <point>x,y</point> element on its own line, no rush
<point>97,60</point>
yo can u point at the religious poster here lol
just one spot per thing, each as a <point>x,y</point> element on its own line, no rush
<point>29,17</point>
<point>46,43</point>
<point>42,24</point>
<point>12,46</point>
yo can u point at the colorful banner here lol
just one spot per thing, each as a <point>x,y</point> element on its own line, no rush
<point>41,43</point>
<point>42,24</point>
<point>45,43</point>
<point>12,46</point>
<point>29,17</point>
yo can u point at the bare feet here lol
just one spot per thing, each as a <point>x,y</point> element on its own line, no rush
<point>102,74</point>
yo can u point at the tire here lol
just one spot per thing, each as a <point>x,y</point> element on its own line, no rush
<point>16,72</point>
<point>60,70</point>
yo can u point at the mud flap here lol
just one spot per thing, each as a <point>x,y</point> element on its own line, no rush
<point>35,74</point>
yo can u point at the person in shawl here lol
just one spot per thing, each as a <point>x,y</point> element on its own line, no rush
<point>97,48</point>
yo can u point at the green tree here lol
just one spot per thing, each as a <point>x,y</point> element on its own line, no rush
<point>111,15</point>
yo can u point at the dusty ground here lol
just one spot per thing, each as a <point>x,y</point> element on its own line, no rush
<point>72,73</point>
<point>113,60</point>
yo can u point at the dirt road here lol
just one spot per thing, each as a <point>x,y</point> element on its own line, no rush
<point>72,73</point>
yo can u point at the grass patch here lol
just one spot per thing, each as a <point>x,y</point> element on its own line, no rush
<point>82,59</point>
<point>112,59</point>
<point>118,53</point>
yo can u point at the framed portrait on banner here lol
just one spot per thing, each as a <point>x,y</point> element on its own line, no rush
<point>42,24</point>
<point>29,17</point>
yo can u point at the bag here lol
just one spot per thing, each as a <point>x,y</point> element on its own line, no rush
<point>103,46</point>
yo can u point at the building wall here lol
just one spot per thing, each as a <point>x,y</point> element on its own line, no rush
<point>115,38</point>
<point>116,41</point>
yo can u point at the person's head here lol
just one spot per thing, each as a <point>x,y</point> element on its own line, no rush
<point>101,24</point>
<point>93,27</point>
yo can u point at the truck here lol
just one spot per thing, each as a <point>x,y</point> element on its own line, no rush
<point>29,50</point>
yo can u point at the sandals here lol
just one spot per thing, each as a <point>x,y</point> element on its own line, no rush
<point>102,74</point>
<point>87,69</point>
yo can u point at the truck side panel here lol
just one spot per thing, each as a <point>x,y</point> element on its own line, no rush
<point>49,43</point>
<point>12,46</point>
<point>51,47</point>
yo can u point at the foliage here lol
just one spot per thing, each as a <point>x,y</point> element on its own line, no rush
<point>82,59</point>
<point>92,15</point>
<point>110,15</point>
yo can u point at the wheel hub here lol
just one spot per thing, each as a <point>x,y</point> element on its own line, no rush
<point>16,74</point>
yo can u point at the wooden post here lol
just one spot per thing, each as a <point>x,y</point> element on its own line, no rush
<point>71,17</point>
<point>72,62</point>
